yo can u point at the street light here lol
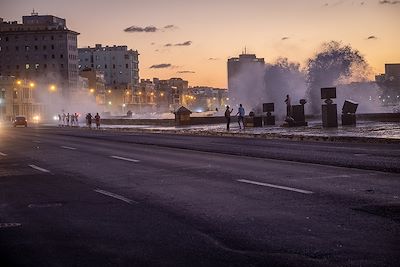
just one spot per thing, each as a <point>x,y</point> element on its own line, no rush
<point>53,88</point>
<point>31,84</point>
<point>91,90</point>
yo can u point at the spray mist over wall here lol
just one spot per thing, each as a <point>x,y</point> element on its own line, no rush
<point>282,78</point>
<point>335,64</point>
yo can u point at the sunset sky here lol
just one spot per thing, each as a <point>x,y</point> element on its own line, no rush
<point>194,39</point>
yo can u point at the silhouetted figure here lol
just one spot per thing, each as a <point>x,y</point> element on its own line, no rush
<point>228,117</point>
<point>97,119</point>
<point>59,120</point>
<point>240,115</point>
<point>89,120</point>
<point>76,119</point>
<point>68,117</point>
<point>288,106</point>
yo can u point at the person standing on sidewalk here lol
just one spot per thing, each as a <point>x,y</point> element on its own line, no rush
<point>97,119</point>
<point>228,117</point>
<point>288,106</point>
<point>240,115</point>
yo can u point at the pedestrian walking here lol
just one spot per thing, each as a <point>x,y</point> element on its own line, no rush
<point>288,106</point>
<point>72,119</point>
<point>97,119</point>
<point>67,118</point>
<point>76,120</point>
<point>89,120</point>
<point>59,120</point>
<point>228,117</point>
<point>240,115</point>
<point>63,119</point>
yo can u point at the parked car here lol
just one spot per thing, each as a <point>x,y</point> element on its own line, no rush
<point>20,120</point>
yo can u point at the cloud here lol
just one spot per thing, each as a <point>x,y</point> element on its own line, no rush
<point>141,29</point>
<point>153,43</point>
<point>170,27</point>
<point>372,37</point>
<point>150,28</point>
<point>284,38</point>
<point>161,66</point>
<point>186,71</point>
<point>384,2</point>
<point>187,43</point>
<point>213,58</point>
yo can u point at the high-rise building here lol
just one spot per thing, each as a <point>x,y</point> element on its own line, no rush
<point>244,73</point>
<point>40,49</point>
<point>119,65</point>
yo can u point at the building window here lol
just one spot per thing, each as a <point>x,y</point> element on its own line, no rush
<point>44,47</point>
<point>17,67</point>
<point>53,56</point>
<point>113,66</point>
<point>52,46</point>
<point>45,56</point>
<point>45,66</point>
<point>62,66</point>
<point>27,48</point>
<point>36,66</point>
<point>52,37</point>
<point>98,66</point>
<point>36,47</point>
<point>16,48</point>
<point>6,39</point>
<point>61,56</point>
<point>105,66</point>
<point>127,66</point>
<point>27,66</point>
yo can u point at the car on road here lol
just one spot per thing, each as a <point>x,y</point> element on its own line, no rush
<point>20,120</point>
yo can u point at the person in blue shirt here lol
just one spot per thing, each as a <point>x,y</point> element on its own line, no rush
<point>240,115</point>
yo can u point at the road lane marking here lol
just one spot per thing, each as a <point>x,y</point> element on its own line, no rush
<point>126,159</point>
<point>275,186</point>
<point>124,199</point>
<point>38,168</point>
<point>68,147</point>
<point>9,225</point>
<point>37,141</point>
<point>45,205</point>
<point>3,154</point>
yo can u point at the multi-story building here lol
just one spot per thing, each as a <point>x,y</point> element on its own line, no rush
<point>244,73</point>
<point>96,84</point>
<point>119,65</point>
<point>40,49</point>
<point>204,98</point>
<point>389,84</point>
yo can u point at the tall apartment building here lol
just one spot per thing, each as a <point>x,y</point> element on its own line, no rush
<point>119,65</point>
<point>244,73</point>
<point>40,49</point>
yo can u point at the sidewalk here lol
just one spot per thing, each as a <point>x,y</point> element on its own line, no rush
<point>365,131</point>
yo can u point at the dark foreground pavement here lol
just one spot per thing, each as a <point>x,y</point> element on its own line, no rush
<point>72,197</point>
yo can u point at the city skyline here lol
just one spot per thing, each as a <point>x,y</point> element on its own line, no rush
<point>193,40</point>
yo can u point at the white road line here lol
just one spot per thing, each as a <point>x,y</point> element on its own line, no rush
<point>276,186</point>
<point>68,147</point>
<point>9,225</point>
<point>38,168</point>
<point>3,154</point>
<point>37,141</point>
<point>126,159</point>
<point>124,199</point>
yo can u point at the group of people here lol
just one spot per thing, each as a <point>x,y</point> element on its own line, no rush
<point>241,113</point>
<point>68,119</point>
<point>89,120</point>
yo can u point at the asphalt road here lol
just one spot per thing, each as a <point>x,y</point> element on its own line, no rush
<point>74,197</point>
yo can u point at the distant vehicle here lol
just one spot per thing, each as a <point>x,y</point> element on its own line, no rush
<point>20,120</point>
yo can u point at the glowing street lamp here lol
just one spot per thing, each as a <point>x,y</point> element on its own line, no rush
<point>109,91</point>
<point>31,84</point>
<point>109,103</point>
<point>91,90</point>
<point>19,82</point>
<point>53,88</point>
